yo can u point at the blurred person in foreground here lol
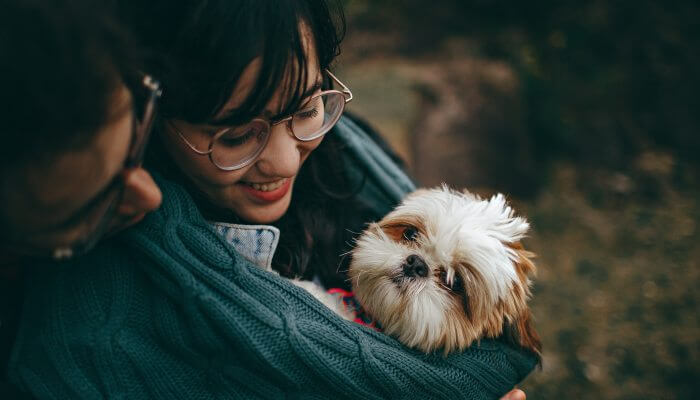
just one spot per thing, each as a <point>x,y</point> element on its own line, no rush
<point>75,118</point>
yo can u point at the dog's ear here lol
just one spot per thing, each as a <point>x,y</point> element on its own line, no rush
<point>521,332</point>
<point>524,265</point>
<point>505,224</point>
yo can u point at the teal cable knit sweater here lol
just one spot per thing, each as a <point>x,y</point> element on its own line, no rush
<point>169,310</point>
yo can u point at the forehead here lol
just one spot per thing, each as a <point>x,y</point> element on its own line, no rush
<point>248,79</point>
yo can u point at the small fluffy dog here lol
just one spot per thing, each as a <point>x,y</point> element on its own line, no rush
<point>445,269</point>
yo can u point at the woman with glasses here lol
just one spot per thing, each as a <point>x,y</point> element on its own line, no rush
<point>259,170</point>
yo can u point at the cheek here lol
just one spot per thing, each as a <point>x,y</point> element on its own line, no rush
<point>307,147</point>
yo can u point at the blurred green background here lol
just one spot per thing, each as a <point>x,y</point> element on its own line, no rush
<point>586,115</point>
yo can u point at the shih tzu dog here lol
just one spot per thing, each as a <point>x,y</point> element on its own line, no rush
<point>443,270</point>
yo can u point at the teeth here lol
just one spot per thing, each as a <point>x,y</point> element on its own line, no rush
<point>267,187</point>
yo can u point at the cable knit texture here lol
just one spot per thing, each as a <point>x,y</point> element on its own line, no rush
<point>169,310</point>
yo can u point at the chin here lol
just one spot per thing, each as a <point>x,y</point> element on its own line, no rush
<point>254,212</point>
<point>446,269</point>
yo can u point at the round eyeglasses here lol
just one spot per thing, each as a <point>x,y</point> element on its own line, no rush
<point>233,148</point>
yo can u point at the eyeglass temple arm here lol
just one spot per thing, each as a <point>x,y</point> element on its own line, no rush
<point>143,123</point>
<point>187,142</point>
<point>346,90</point>
<point>155,91</point>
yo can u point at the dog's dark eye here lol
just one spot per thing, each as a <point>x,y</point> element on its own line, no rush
<point>410,233</point>
<point>457,283</point>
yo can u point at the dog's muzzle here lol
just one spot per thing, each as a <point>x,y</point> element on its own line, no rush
<point>414,266</point>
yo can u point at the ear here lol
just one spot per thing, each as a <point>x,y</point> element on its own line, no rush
<point>521,332</point>
<point>524,265</point>
<point>505,225</point>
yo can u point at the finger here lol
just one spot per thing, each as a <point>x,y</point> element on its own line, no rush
<point>515,394</point>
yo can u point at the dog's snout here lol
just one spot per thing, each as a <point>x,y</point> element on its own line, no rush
<point>415,266</point>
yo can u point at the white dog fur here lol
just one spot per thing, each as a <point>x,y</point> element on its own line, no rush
<point>445,269</point>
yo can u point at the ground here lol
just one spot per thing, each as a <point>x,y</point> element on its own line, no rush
<point>614,224</point>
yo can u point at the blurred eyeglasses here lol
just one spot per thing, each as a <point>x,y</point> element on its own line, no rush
<point>233,148</point>
<point>94,220</point>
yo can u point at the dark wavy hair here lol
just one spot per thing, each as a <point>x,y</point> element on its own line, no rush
<point>199,51</point>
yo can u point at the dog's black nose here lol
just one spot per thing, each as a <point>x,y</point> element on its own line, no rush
<point>415,266</point>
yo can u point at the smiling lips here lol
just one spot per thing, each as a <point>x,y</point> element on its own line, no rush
<point>268,192</point>
<point>267,187</point>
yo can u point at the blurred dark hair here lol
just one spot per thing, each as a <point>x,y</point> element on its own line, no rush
<point>199,51</point>
<point>61,63</point>
<point>200,48</point>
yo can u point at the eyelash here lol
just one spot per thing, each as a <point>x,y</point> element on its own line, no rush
<point>236,141</point>
<point>308,114</point>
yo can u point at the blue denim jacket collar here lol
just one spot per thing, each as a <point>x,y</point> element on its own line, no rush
<point>256,243</point>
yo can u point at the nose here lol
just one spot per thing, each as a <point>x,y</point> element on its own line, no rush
<point>141,194</point>
<point>283,153</point>
<point>414,265</point>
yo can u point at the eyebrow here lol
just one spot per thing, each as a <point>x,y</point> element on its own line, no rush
<point>236,116</point>
<point>307,93</point>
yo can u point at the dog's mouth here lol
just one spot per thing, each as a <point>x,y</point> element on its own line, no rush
<point>399,279</point>
<point>403,281</point>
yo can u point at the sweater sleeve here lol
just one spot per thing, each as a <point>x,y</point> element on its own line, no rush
<point>169,310</point>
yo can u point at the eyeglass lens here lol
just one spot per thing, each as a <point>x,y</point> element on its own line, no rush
<point>236,146</point>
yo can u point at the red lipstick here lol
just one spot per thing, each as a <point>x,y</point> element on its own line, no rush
<point>270,196</point>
